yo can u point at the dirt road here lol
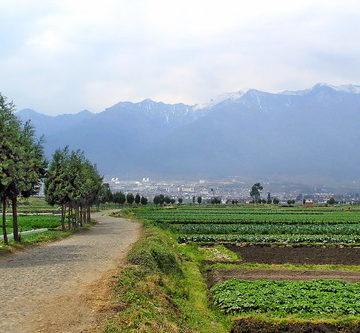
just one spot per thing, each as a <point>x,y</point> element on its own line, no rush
<point>65,285</point>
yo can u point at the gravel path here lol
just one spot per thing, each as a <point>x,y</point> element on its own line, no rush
<point>52,288</point>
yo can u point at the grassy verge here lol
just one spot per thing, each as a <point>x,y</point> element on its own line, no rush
<point>162,289</point>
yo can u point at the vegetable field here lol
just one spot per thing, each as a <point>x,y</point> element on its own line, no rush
<point>276,237</point>
<point>320,297</point>
<point>30,222</point>
<point>252,224</point>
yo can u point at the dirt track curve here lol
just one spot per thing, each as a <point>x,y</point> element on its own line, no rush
<point>64,286</point>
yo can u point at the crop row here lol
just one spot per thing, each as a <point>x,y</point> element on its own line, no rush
<point>317,297</point>
<point>259,220</point>
<point>265,229</point>
<point>285,239</point>
<point>249,218</point>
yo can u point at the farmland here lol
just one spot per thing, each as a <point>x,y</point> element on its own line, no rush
<point>34,221</point>
<point>266,262</point>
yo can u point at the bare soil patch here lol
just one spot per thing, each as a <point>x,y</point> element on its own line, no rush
<point>298,255</point>
<point>250,325</point>
<point>223,274</point>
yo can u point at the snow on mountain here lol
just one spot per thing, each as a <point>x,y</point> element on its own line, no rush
<point>232,96</point>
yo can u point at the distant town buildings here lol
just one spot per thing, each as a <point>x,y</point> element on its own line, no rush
<point>230,189</point>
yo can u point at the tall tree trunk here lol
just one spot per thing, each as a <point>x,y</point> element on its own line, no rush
<point>81,214</point>
<point>4,221</point>
<point>15,221</point>
<point>63,211</point>
<point>69,216</point>
<point>88,214</point>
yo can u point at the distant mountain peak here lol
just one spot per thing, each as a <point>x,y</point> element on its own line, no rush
<point>231,96</point>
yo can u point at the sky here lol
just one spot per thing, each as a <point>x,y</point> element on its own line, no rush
<point>63,56</point>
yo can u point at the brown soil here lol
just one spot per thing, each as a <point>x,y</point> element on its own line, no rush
<point>249,325</point>
<point>223,274</point>
<point>298,255</point>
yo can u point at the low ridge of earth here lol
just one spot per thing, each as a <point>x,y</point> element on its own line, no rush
<point>65,286</point>
<point>220,275</point>
<point>331,255</point>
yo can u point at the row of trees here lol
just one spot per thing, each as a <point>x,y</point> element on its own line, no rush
<point>106,196</point>
<point>73,183</point>
<point>22,163</point>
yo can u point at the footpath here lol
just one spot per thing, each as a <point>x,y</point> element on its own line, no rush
<point>65,286</point>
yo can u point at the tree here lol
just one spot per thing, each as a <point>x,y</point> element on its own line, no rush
<point>255,192</point>
<point>199,200</point>
<point>75,184</point>
<point>172,201</point>
<point>137,198</point>
<point>167,200</point>
<point>119,197</point>
<point>268,198</point>
<point>10,129</point>
<point>276,201</point>
<point>156,200</point>
<point>332,201</point>
<point>180,201</point>
<point>22,163</point>
<point>290,202</point>
<point>161,199</point>
<point>105,194</point>
<point>215,200</point>
<point>193,199</point>
<point>130,198</point>
<point>143,200</point>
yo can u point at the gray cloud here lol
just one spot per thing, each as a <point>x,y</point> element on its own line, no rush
<point>64,56</point>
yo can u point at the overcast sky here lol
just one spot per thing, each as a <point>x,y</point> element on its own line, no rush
<point>62,56</point>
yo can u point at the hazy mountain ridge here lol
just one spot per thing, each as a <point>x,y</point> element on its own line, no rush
<point>309,132</point>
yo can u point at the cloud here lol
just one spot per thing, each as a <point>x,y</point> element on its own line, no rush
<point>62,56</point>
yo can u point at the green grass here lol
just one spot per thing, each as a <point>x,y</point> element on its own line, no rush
<point>162,289</point>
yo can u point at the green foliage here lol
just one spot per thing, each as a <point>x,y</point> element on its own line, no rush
<point>137,198</point>
<point>276,201</point>
<point>105,194</point>
<point>22,163</point>
<point>143,200</point>
<point>130,198</point>
<point>119,197</point>
<point>327,298</point>
<point>74,183</point>
<point>332,201</point>
<point>256,191</point>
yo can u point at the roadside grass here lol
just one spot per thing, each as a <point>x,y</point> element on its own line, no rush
<point>162,289</point>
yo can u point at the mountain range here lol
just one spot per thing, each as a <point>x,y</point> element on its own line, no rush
<point>307,133</point>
